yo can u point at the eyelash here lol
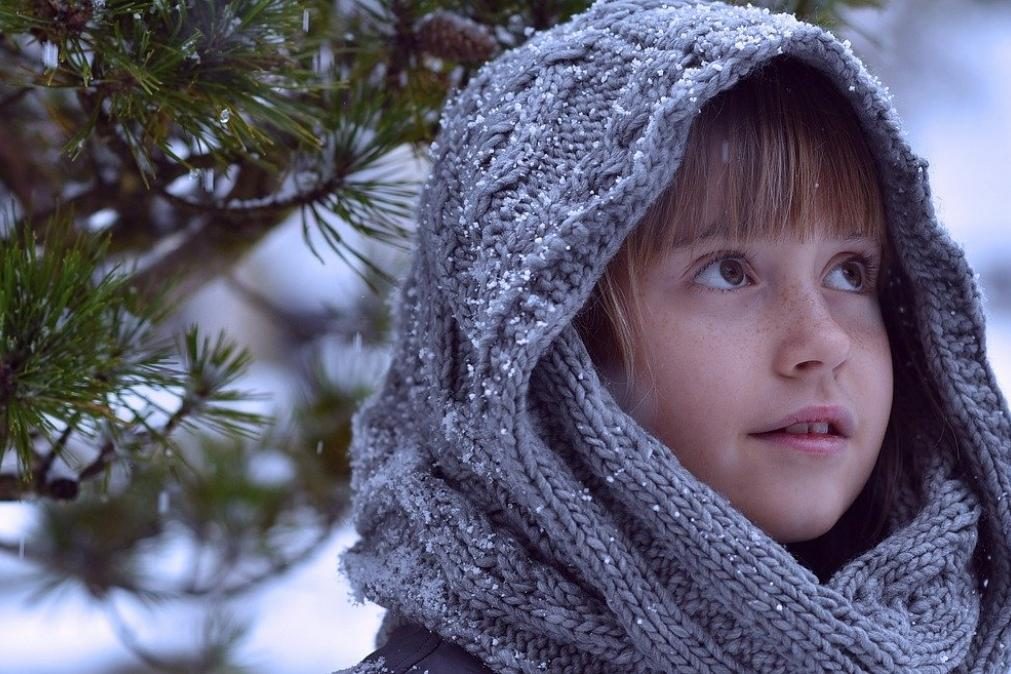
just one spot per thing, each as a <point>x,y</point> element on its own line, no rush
<point>870,267</point>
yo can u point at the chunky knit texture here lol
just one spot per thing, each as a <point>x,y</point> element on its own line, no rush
<point>505,501</point>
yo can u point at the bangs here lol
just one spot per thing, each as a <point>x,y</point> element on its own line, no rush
<point>780,155</point>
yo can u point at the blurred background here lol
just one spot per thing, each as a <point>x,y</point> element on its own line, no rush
<point>314,330</point>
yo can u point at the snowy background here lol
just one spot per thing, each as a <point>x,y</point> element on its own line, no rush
<point>948,64</point>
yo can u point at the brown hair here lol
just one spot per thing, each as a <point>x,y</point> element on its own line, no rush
<point>763,159</point>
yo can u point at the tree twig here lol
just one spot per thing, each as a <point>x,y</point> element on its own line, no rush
<point>14,487</point>
<point>304,326</point>
<point>277,566</point>
<point>254,206</point>
<point>14,97</point>
<point>206,251</point>
<point>129,639</point>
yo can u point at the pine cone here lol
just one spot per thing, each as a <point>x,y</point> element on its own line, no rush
<point>71,16</point>
<point>450,36</point>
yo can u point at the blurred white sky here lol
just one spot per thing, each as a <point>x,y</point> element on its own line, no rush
<point>947,63</point>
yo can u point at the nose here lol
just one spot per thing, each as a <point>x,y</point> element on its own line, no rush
<point>811,341</point>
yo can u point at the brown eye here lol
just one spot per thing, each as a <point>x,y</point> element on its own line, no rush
<point>732,271</point>
<point>725,273</point>
<point>853,273</point>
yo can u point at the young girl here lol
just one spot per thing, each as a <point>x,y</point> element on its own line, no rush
<point>687,377</point>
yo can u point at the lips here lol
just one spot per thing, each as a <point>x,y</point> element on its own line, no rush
<point>814,421</point>
<point>806,443</point>
<point>816,428</point>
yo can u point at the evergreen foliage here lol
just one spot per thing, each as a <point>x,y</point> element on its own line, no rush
<point>147,146</point>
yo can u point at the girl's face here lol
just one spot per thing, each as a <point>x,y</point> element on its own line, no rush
<point>741,338</point>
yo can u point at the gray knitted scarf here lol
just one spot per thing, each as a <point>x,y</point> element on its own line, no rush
<point>505,501</point>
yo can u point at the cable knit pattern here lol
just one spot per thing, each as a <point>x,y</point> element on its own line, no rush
<point>506,502</point>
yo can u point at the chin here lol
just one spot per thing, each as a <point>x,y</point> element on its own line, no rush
<point>812,524</point>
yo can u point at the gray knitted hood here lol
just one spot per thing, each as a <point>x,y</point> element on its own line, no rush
<point>506,502</point>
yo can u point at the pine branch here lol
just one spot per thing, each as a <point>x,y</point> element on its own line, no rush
<point>221,637</point>
<point>72,347</point>
<point>281,112</point>
<point>304,326</point>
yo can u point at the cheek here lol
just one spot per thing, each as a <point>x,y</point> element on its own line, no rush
<point>868,380</point>
<point>699,373</point>
<point>872,351</point>
<point>721,347</point>
<point>881,373</point>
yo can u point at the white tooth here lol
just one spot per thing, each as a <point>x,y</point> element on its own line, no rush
<point>820,428</point>
<point>796,428</point>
